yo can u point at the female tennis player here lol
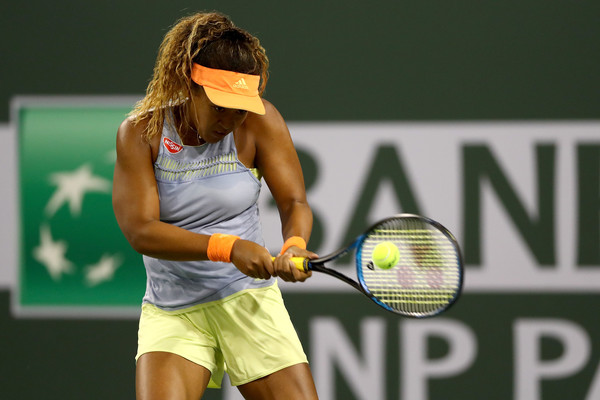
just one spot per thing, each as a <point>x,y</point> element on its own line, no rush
<point>190,159</point>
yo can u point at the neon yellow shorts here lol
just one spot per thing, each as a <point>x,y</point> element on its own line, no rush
<point>249,335</point>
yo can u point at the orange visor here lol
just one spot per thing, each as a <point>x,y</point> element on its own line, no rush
<point>230,89</point>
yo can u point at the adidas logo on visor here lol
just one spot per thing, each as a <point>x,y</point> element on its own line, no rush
<point>241,84</point>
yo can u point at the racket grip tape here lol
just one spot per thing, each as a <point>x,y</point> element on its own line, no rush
<point>301,263</point>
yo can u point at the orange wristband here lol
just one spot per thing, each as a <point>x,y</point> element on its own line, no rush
<point>293,241</point>
<point>219,247</point>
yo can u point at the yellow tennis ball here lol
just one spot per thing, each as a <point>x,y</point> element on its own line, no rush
<point>386,255</point>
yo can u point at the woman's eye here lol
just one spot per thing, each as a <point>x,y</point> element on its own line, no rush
<point>218,109</point>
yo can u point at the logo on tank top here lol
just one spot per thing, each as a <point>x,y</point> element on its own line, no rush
<point>171,146</point>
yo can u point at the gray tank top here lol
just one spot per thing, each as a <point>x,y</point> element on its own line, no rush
<point>204,189</point>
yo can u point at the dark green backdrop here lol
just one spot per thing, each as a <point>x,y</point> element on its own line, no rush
<point>342,60</point>
<point>525,59</point>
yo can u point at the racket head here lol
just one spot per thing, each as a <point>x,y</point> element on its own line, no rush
<point>428,276</point>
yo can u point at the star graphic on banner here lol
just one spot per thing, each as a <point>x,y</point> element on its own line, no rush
<point>51,254</point>
<point>103,270</point>
<point>72,186</point>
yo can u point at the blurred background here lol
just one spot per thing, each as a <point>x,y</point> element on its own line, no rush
<point>510,88</point>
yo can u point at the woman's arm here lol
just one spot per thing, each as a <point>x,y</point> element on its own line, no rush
<point>278,161</point>
<point>136,202</point>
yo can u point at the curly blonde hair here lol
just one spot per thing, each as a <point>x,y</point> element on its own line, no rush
<point>209,39</point>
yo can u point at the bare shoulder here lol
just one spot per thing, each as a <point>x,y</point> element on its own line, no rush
<point>263,136</point>
<point>131,130</point>
<point>266,127</point>
<point>131,136</point>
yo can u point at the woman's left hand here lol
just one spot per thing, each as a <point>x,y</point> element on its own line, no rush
<point>286,269</point>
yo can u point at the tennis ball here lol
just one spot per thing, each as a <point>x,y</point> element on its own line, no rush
<point>386,255</point>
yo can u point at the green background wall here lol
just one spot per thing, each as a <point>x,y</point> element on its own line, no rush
<point>333,59</point>
<point>342,60</point>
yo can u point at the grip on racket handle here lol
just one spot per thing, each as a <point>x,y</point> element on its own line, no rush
<point>299,262</point>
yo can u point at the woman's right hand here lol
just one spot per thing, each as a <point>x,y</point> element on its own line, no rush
<point>252,259</point>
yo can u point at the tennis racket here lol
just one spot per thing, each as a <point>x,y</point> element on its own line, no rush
<point>425,280</point>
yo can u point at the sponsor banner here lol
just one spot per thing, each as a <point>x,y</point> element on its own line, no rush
<point>521,197</point>
<point>490,346</point>
<point>74,261</point>
<point>501,346</point>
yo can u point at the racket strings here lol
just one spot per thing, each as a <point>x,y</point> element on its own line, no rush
<point>426,278</point>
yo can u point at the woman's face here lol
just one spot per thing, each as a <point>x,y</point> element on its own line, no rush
<point>213,122</point>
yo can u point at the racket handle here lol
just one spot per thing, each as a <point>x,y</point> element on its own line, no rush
<point>299,262</point>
